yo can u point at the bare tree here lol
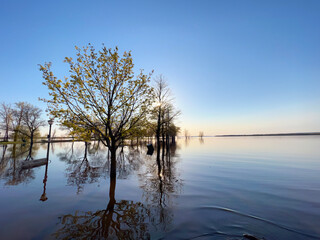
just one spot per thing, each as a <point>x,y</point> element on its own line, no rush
<point>164,110</point>
<point>17,115</point>
<point>170,129</point>
<point>6,119</point>
<point>31,118</point>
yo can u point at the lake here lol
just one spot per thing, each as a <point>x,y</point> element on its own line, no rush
<point>210,188</point>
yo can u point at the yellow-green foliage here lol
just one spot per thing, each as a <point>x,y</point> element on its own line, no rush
<point>102,96</point>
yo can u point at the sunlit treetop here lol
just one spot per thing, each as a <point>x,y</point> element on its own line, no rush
<point>102,95</point>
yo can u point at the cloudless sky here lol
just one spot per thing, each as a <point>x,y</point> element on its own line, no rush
<point>233,66</point>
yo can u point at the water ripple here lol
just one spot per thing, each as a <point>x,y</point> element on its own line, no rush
<point>257,218</point>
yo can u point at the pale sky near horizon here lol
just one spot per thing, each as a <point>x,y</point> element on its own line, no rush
<point>235,67</point>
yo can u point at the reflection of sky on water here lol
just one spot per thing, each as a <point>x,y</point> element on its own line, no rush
<point>224,187</point>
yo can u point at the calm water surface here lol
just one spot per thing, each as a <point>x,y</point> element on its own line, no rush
<point>216,188</point>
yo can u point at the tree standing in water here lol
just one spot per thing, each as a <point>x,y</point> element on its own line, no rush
<point>6,119</point>
<point>101,95</point>
<point>164,112</point>
<point>17,122</point>
<point>201,134</point>
<point>31,118</point>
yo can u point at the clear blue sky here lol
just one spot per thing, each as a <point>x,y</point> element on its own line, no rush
<point>233,66</point>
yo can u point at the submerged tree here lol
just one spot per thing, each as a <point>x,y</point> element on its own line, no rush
<point>164,111</point>
<point>17,119</point>
<point>186,134</point>
<point>101,95</point>
<point>201,134</point>
<point>6,119</point>
<point>24,121</point>
<point>31,117</point>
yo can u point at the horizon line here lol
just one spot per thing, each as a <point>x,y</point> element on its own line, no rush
<point>261,134</point>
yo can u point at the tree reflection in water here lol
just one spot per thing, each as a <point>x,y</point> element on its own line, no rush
<point>120,220</point>
<point>12,157</point>
<point>87,165</point>
<point>159,181</point>
<point>123,219</point>
<point>84,166</point>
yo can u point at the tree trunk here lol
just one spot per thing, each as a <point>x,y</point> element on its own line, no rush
<point>85,150</point>
<point>6,135</point>
<point>167,140</point>
<point>112,191</point>
<point>113,171</point>
<point>113,175</point>
<point>158,131</point>
<point>30,152</point>
<point>31,137</point>
<point>15,136</point>
<point>158,161</point>
<point>110,208</point>
<point>162,133</point>
<point>163,147</point>
<point>4,148</point>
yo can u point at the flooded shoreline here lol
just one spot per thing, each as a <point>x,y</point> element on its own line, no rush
<point>221,188</point>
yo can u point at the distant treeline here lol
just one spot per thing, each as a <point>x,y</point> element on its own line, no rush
<point>271,134</point>
<point>20,122</point>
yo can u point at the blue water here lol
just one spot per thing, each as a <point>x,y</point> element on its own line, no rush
<point>215,188</point>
